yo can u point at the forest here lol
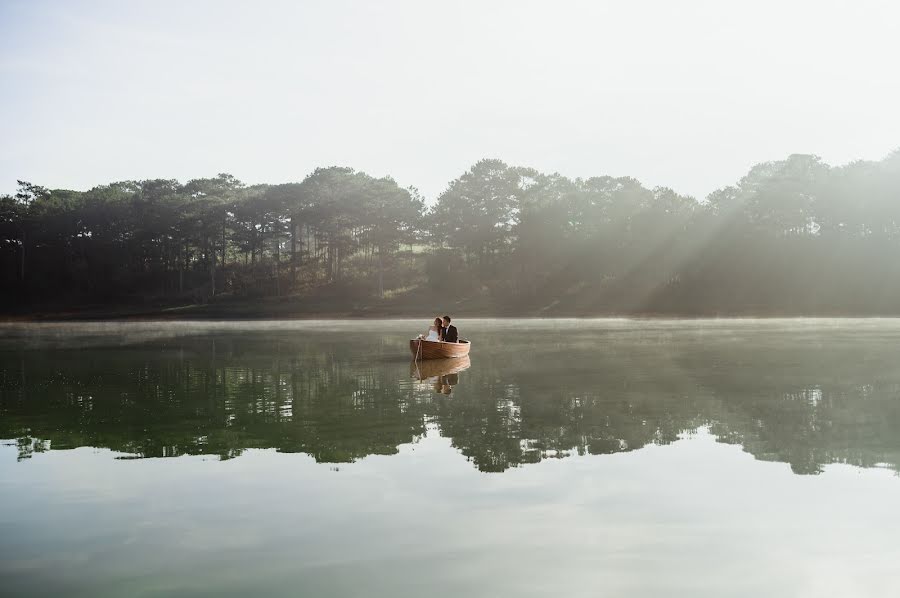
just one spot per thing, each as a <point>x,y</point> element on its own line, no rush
<point>792,237</point>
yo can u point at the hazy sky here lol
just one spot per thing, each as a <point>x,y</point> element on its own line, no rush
<point>686,94</point>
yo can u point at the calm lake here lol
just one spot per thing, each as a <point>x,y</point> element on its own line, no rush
<point>563,458</point>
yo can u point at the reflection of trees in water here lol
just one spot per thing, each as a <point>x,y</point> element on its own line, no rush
<point>210,397</point>
<point>804,403</point>
<point>808,399</point>
<point>576,402</point>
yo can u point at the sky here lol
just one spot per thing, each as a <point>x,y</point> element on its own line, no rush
<point>686,94</point>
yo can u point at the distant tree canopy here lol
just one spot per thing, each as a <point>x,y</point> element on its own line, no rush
<point>792,236</point>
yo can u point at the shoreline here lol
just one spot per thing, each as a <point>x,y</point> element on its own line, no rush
<point>292,311</point>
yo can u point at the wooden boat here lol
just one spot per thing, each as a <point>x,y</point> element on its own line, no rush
<point>433,369</point>
<point>422,349</point>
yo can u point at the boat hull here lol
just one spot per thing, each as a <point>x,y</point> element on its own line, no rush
<point>422,349</point>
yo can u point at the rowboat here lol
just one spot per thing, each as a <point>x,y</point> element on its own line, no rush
<point>422,349</point>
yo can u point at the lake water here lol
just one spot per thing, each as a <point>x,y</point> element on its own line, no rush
<point>564,458</point>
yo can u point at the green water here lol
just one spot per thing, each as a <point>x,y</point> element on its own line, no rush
<point>565,458</point>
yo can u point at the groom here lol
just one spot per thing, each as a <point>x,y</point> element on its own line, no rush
<point>450,334</point>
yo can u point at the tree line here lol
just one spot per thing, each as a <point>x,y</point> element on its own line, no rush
<point>792,236</point>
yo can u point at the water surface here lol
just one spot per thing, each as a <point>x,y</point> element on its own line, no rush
<point>565,457</point>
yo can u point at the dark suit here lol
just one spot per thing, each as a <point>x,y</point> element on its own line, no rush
<point>450,334</point>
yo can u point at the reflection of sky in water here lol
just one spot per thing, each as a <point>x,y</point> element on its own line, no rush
<point>720,511</point>
<point>692,518</point>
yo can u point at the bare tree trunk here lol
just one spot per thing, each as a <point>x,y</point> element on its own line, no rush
<point>293,250</point>
<point>380,273</point>
<point>223,243</point>
<point>211,255</point>
<point>277,266</point>
<point>329,261</point>
<point>22,264</point>
<point>165,268</point>
<point>339,262</point>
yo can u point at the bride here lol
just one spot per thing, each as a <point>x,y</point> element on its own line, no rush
<point>435,331</point>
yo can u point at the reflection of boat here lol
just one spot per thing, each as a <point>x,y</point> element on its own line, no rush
<point>442,374</point>
<point>433,368</point>
<point>422,349</point>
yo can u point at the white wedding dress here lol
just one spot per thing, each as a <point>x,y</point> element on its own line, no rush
<point>432,336</point>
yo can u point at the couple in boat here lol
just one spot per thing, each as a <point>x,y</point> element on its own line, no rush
<point>441,330</point>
